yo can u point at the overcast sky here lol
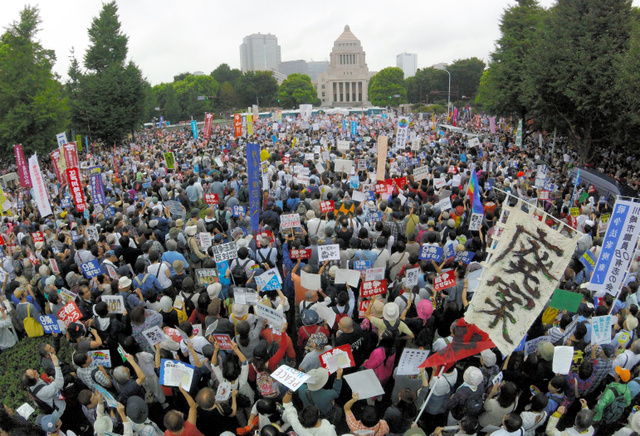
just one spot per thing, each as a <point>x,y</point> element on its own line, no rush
<point>170,37</point>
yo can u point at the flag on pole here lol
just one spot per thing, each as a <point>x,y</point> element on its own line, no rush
<point>474,194</point>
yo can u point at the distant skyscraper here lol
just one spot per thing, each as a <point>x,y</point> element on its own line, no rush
<point>407,62</point>
<point>259,52</point>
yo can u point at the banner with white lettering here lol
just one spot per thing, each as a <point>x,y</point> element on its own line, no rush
<point>39,188</point>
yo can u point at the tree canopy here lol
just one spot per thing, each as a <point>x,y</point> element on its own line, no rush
<point>386,85</point>
<point>295,90</point>
<point>257,87</point>
<point>32,103</point>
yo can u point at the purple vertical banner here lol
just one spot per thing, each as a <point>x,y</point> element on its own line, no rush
<point>23,168</point>
<point>97,189</point>
<point>492,125</point>
<point>253,170</point>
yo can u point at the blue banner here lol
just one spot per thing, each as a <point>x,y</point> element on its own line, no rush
<point>161,121</point>
<point>354,128</point>
<point>361,265</point>
<point>239,210</point>
<point>49,323</point>
<point>588,261</point>
<point>194,128</point>
<point>344,125</point>
<point>97,189</point>
<point>429,252</point>
<point>464,257</point>
<point>253,170</point>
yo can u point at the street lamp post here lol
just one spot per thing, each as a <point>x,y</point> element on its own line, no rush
<point>443,67</point>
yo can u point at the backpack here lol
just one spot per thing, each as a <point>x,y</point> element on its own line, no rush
<point>474,406</point>
<point>266,259</point>
<point>31,326</point>
<point>238,273</point>
<point>394,329</point>
<point>613,412</point>
<point>189,305</point>
<point>273,347</point>
<point>266,386</point>
<point>302,208</point>
<point>340,315</point>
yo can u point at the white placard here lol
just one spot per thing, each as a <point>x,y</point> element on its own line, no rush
<point>348,276</point>
<point>25,410</point>
<point>412,277</point>
<point>562,359</point>
<point>175,373</point>
<point>420,173</point>
<point>154,335</point>
<point>245,296</point>
<point>411,358</point>
<point>374,274</point>
<point>343,145</point>
<point>319,168</point>
<point>364,383</point>
<point>601,329</point>
<point>444,204</point>
<point>205,239</point>
<point>290,377</point>
<point>310,282</point>
<point>115,303</point>
<point>290,221</point>
<point>358,196</point>
<point>343,166</point>
<point>325,313</point>
<point>439,182</point>
<point>328,252</point>
<point>272,316</point>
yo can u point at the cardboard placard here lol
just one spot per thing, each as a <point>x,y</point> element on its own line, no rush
<point>444,281</point>
<point>338,357</point>
<point>328,252</point>
<point>290,377</point>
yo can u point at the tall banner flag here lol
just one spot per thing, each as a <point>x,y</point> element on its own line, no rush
<point>73,176</point>
<point>617,248</point>
<point>474,193</point>
<point>79,142</point>
<point>520,276</point>
<point>253,170</point>
<point>194,129</point>
<point>382,157</point>
<point>39,189</point>
<point>402,133</point>
<point>255,112</point>
<point>354,129</point>
<point>71,155</point>
<point>492,125</point>
<point>97,189</point>
<point>55,161</point>
<point>249,124</point>
<point>61,138</point>
<point>208,122</point>
<point>237,125</point>
<point>519,134</point>
<point>23,169</point>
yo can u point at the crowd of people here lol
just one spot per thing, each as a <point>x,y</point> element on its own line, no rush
<point>150,253</point>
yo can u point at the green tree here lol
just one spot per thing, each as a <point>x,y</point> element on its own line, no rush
<point>428,85</point>
<point>257,87</point>
<point>570,80</point>
<point>295,90</point>
<point>502,85</point>
<point>181,76</point>
<point>227,98</point>
<point>465,77</point>
<point>385,85</point>
<point>33,107</point>
<point>224,73</point>
<point>628,87</point>
<point>187,92</point>
<point>111,91</point>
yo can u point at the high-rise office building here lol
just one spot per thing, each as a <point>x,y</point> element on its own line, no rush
<point>259,52</point>
<point>407,62</point>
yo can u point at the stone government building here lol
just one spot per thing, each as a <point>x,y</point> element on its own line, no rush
<point>346,81</point>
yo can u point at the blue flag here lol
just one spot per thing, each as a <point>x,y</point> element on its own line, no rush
<point>194,128</point>
<point>253,170</point>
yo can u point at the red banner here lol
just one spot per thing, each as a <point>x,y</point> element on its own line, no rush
<point>286,160</point>
<point>467,341</point>
<point>73,175</point>
<point>266,234</point>
<point>300,254</point>
<point>224,341</point>
<point>444,281</point>
<point>381,188</point>
<point>373,287</point>
<point>327,206</point>
<point>208,122</point>
<point>71,155</point>
<point>55,159</point>
<point>237,125</point>
<point>37,237</point>
<point>211,199</point>
<point>23,168</point>
<point>364,305</point>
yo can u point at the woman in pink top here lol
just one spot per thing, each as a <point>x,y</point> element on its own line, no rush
<point>383,358</point>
